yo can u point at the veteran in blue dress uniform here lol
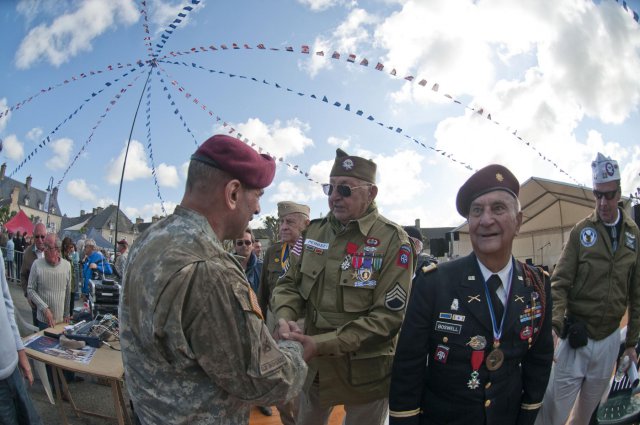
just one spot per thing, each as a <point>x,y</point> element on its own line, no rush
<point>476,344</point>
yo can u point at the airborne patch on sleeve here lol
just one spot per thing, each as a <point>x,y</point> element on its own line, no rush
<point>396,298</point>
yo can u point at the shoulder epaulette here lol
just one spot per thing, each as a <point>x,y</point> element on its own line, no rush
<point>429,268</point>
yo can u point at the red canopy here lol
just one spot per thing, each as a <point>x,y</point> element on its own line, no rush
<point>20,223</point>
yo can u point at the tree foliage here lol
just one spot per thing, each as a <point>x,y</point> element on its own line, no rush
<point>271,227</point>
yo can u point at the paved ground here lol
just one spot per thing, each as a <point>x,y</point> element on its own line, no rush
<point>88,395</point>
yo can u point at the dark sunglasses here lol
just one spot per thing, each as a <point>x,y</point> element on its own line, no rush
<point>38,236</point>
<point>246,242</point>
<point>343,189</point>
<point>607,195</point>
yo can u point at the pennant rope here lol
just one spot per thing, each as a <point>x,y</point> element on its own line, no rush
<point>166,34</point>
<point>47,139</point>
<point>81,76</point>
<point>176,111</point>
<point>347,107</point>
<point>629,11</point>
<point>351,58</point>
<point>145,26</point>
<point>203,107</point>
<point>110,106</point>
<point>150,149</point>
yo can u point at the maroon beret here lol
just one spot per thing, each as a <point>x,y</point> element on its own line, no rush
<point>490,178</point>
<point>123,242</point>
<point>238,159</point>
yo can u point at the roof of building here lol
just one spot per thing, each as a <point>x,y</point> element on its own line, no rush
<point>37,197</point>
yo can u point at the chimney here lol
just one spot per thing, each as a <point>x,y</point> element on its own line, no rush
<point>3,169</point>
<point>81,212</point>
<point>54,193</point>
<point>139,220</point>
<point>93,211</point>
<point>28,183</point>
<point>418,223</point>
<point>99,210</point>
<point>155,218</point>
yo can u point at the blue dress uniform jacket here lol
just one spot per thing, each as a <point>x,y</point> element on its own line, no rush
<point>447,312</point>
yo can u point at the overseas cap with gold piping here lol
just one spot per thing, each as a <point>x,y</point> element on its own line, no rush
<point>288,207</point>
<point>353,166</point>
<point>604,169</point>
<point>490,178</point>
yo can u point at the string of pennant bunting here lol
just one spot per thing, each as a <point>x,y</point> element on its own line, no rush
<point>345,106</point>
<point>145,26</point>
<point>93,95</point>
<point>150,148</point>
<point>70,80</point>
<point>351,58</point>
<point>166,34</point>
<point>112,103</point>
<point>202,106</point>
<point>176,111</point>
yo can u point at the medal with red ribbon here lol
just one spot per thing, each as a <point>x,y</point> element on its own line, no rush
<point>477,357</point>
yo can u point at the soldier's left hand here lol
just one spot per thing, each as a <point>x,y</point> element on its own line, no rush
<point>308,344</point>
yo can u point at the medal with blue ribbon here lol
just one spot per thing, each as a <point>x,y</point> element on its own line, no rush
<point>496,357</point>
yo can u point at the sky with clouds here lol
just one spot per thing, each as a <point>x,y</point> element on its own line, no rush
<point>540,86</point>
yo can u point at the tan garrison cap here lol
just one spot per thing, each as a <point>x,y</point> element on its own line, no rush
<point>353,166</point>
<point>288,207</point>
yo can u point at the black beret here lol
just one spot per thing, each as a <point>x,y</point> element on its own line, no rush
<point>238,159</point>
<point>490,178</point>
<point>414,232</point>
<point>353,166</point>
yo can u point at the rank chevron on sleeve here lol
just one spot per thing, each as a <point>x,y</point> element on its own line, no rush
<point>395,298</point>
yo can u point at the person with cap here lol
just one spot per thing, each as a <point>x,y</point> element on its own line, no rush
<point>351,283</point>
<point>476,345</point>
<point>293,218</point>
<point>123,255</point>
<point>194,344</point>
<point>596,280</point>
<point>424,263</point>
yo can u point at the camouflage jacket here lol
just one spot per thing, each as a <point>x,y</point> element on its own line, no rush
<point>194,345</point>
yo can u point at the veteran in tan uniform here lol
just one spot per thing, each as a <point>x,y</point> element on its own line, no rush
<point>351,283</point>
<point>293,218</point>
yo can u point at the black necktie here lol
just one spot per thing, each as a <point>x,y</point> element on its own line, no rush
<point>494,283</point>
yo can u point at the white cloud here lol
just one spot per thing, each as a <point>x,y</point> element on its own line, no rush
<point>281,141</point>
<point>320,5</point>
<point>167,175</point>
<point>149,210</point>
<point>79,189</point>
<point>339,143</point>
<point>184,170</point>
<point>399,181</point>
<point>164,12</point>
<point>13,148</point>
<point>61,152</point>
<point>137,165</point>
<point>73,32</point>
<point>105,202</point>
<point>34,134</point>
<point>5,118</point>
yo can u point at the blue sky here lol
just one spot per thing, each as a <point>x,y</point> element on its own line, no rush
<point>560,74</point>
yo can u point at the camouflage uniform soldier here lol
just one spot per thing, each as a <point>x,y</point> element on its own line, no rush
<point>352,280</point>
<point>194,344</point>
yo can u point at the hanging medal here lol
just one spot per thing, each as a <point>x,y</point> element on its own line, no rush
<point>351,249</point>
<point>495,358</point>
<point>476,360</point>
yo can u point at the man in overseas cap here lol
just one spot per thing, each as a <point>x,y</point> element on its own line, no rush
<point>293,218</point>
<point>351,283</point>
<point>194,344</point>
<point>476,345</point>
<point>596,280</point>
